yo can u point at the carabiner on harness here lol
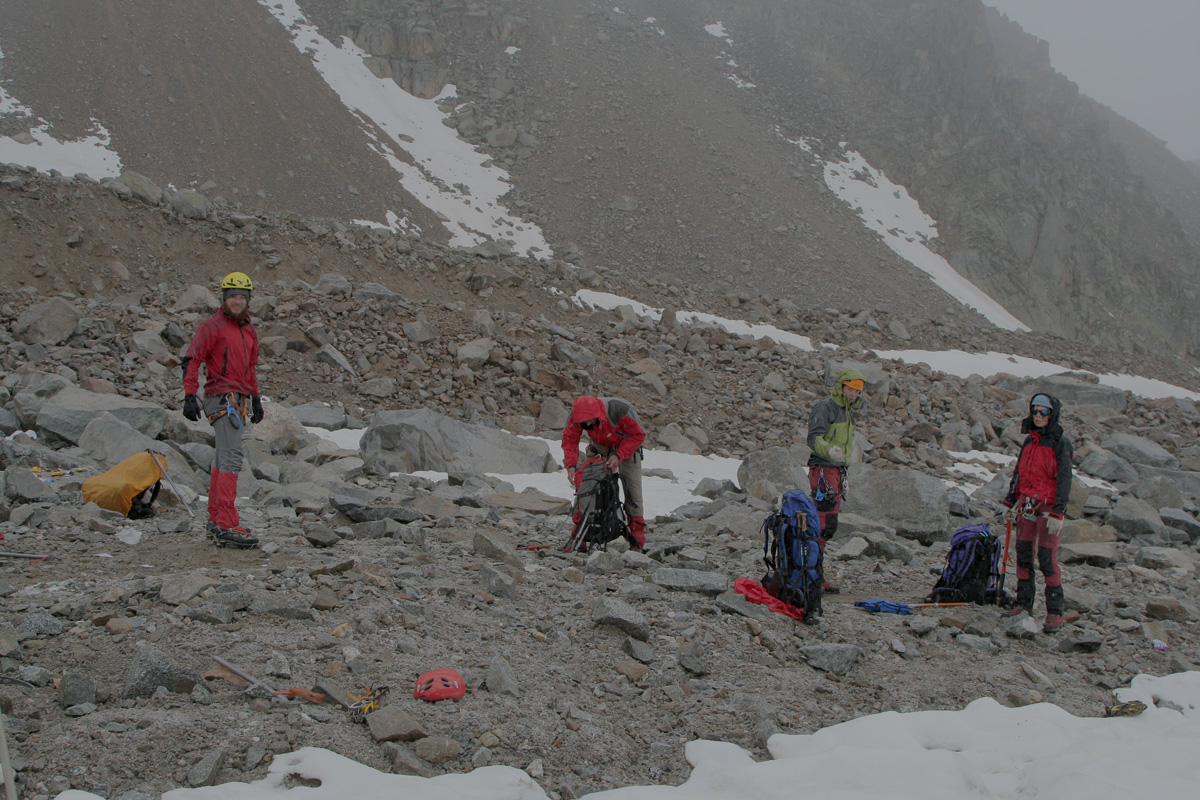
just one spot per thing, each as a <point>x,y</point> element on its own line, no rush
<point>235,416</point>
<point>230,410</point>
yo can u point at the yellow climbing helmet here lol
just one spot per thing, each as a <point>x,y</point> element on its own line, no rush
<point>238,280</point>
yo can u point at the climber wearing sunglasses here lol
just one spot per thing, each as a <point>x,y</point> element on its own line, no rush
<point>1036,502</point>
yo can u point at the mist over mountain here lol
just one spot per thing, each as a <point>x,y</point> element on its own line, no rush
<point>659,139</point>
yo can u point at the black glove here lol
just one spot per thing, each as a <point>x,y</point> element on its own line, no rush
<point>191,408</point>
<point>256,412</point>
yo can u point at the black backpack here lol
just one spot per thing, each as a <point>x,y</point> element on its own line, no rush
<point>598,504</point>
<point>972,573</point>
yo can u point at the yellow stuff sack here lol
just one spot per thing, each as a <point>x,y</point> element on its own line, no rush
<point>119,488</point>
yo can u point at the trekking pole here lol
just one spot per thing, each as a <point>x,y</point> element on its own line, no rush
<point>10,780</point>
<point>170,480</point>
<point>577,534</point>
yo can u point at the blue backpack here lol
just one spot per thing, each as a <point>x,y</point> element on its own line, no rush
<point>793,554</point>
<point>972,573</point>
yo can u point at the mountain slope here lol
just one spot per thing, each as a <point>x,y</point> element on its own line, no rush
<point>656,139</point>
<point>197,98</point>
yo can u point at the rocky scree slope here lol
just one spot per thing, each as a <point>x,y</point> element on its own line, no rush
<point>588,672</point>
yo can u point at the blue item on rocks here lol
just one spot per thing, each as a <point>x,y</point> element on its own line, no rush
<point>884,606</point>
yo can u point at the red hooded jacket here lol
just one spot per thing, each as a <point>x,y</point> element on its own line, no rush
<point>619,428</point>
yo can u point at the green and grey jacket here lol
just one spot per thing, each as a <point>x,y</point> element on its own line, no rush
<point>831,423</point>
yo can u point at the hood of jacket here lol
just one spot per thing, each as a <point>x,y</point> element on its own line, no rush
<point>1052,427</point>
<point>848,374</point>
<point>586,408</point>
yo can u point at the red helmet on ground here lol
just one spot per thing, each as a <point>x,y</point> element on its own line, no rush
<point>440,684</point>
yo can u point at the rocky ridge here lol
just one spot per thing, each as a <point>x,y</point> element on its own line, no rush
<point>587,672</point>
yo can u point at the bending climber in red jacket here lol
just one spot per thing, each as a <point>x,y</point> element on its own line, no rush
<point>613,427</point>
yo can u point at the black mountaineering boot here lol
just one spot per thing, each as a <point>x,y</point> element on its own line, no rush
<point>235,537</point>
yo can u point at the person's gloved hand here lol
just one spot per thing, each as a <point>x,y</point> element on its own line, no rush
<point>191,408</point>
<point>837,454</point>
<point>256,409</point>
<point>1054,525</point>
<point>571,476</point>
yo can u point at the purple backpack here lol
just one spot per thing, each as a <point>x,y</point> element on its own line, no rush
<point>972,573</point>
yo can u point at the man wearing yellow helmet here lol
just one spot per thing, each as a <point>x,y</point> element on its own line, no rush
<point>227,345</point>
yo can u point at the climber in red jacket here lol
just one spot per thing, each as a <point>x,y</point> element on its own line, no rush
<point>227,345</point>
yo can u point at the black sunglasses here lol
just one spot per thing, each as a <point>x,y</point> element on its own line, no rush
<point>590,424</point>
<point>1041,412</point>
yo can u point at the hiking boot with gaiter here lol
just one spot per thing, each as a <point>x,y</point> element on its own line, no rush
<point>235,537</point>
<point>1024,601</point>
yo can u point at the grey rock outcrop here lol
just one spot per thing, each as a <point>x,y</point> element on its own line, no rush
<point>913,503</point>
<point>421,439</point>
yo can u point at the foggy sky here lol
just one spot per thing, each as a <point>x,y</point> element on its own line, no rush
<point>1139,57</point>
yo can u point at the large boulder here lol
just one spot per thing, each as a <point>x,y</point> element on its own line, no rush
<point>1109,466</point>
<point>198,299</point>
<point>367,505</point>
<point>1187,481</point>
<point>1133,518</point>
<point>673,438</point>
<point>475,353</point>
<point>190,204</point>
<point>1158,492</point>
<point>30,398</point>
<point>49,323</point>
<point>320,415</point>
<point>110,441</point>
<point>421,439</point>
<point>554,415</point>
<point>913,503</point>
<point>68,412</point>
<point>280,431</point>
<point>1181,520</point>
<point>1140,450</point>
<point>766,474</point>
<point>142,187</point>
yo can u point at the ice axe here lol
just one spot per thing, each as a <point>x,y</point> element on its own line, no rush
<point>1029,506</point>
<point>1004,562</point>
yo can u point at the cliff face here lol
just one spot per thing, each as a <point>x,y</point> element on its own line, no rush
<point>1074,219</point>
<point>1037,198</point>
